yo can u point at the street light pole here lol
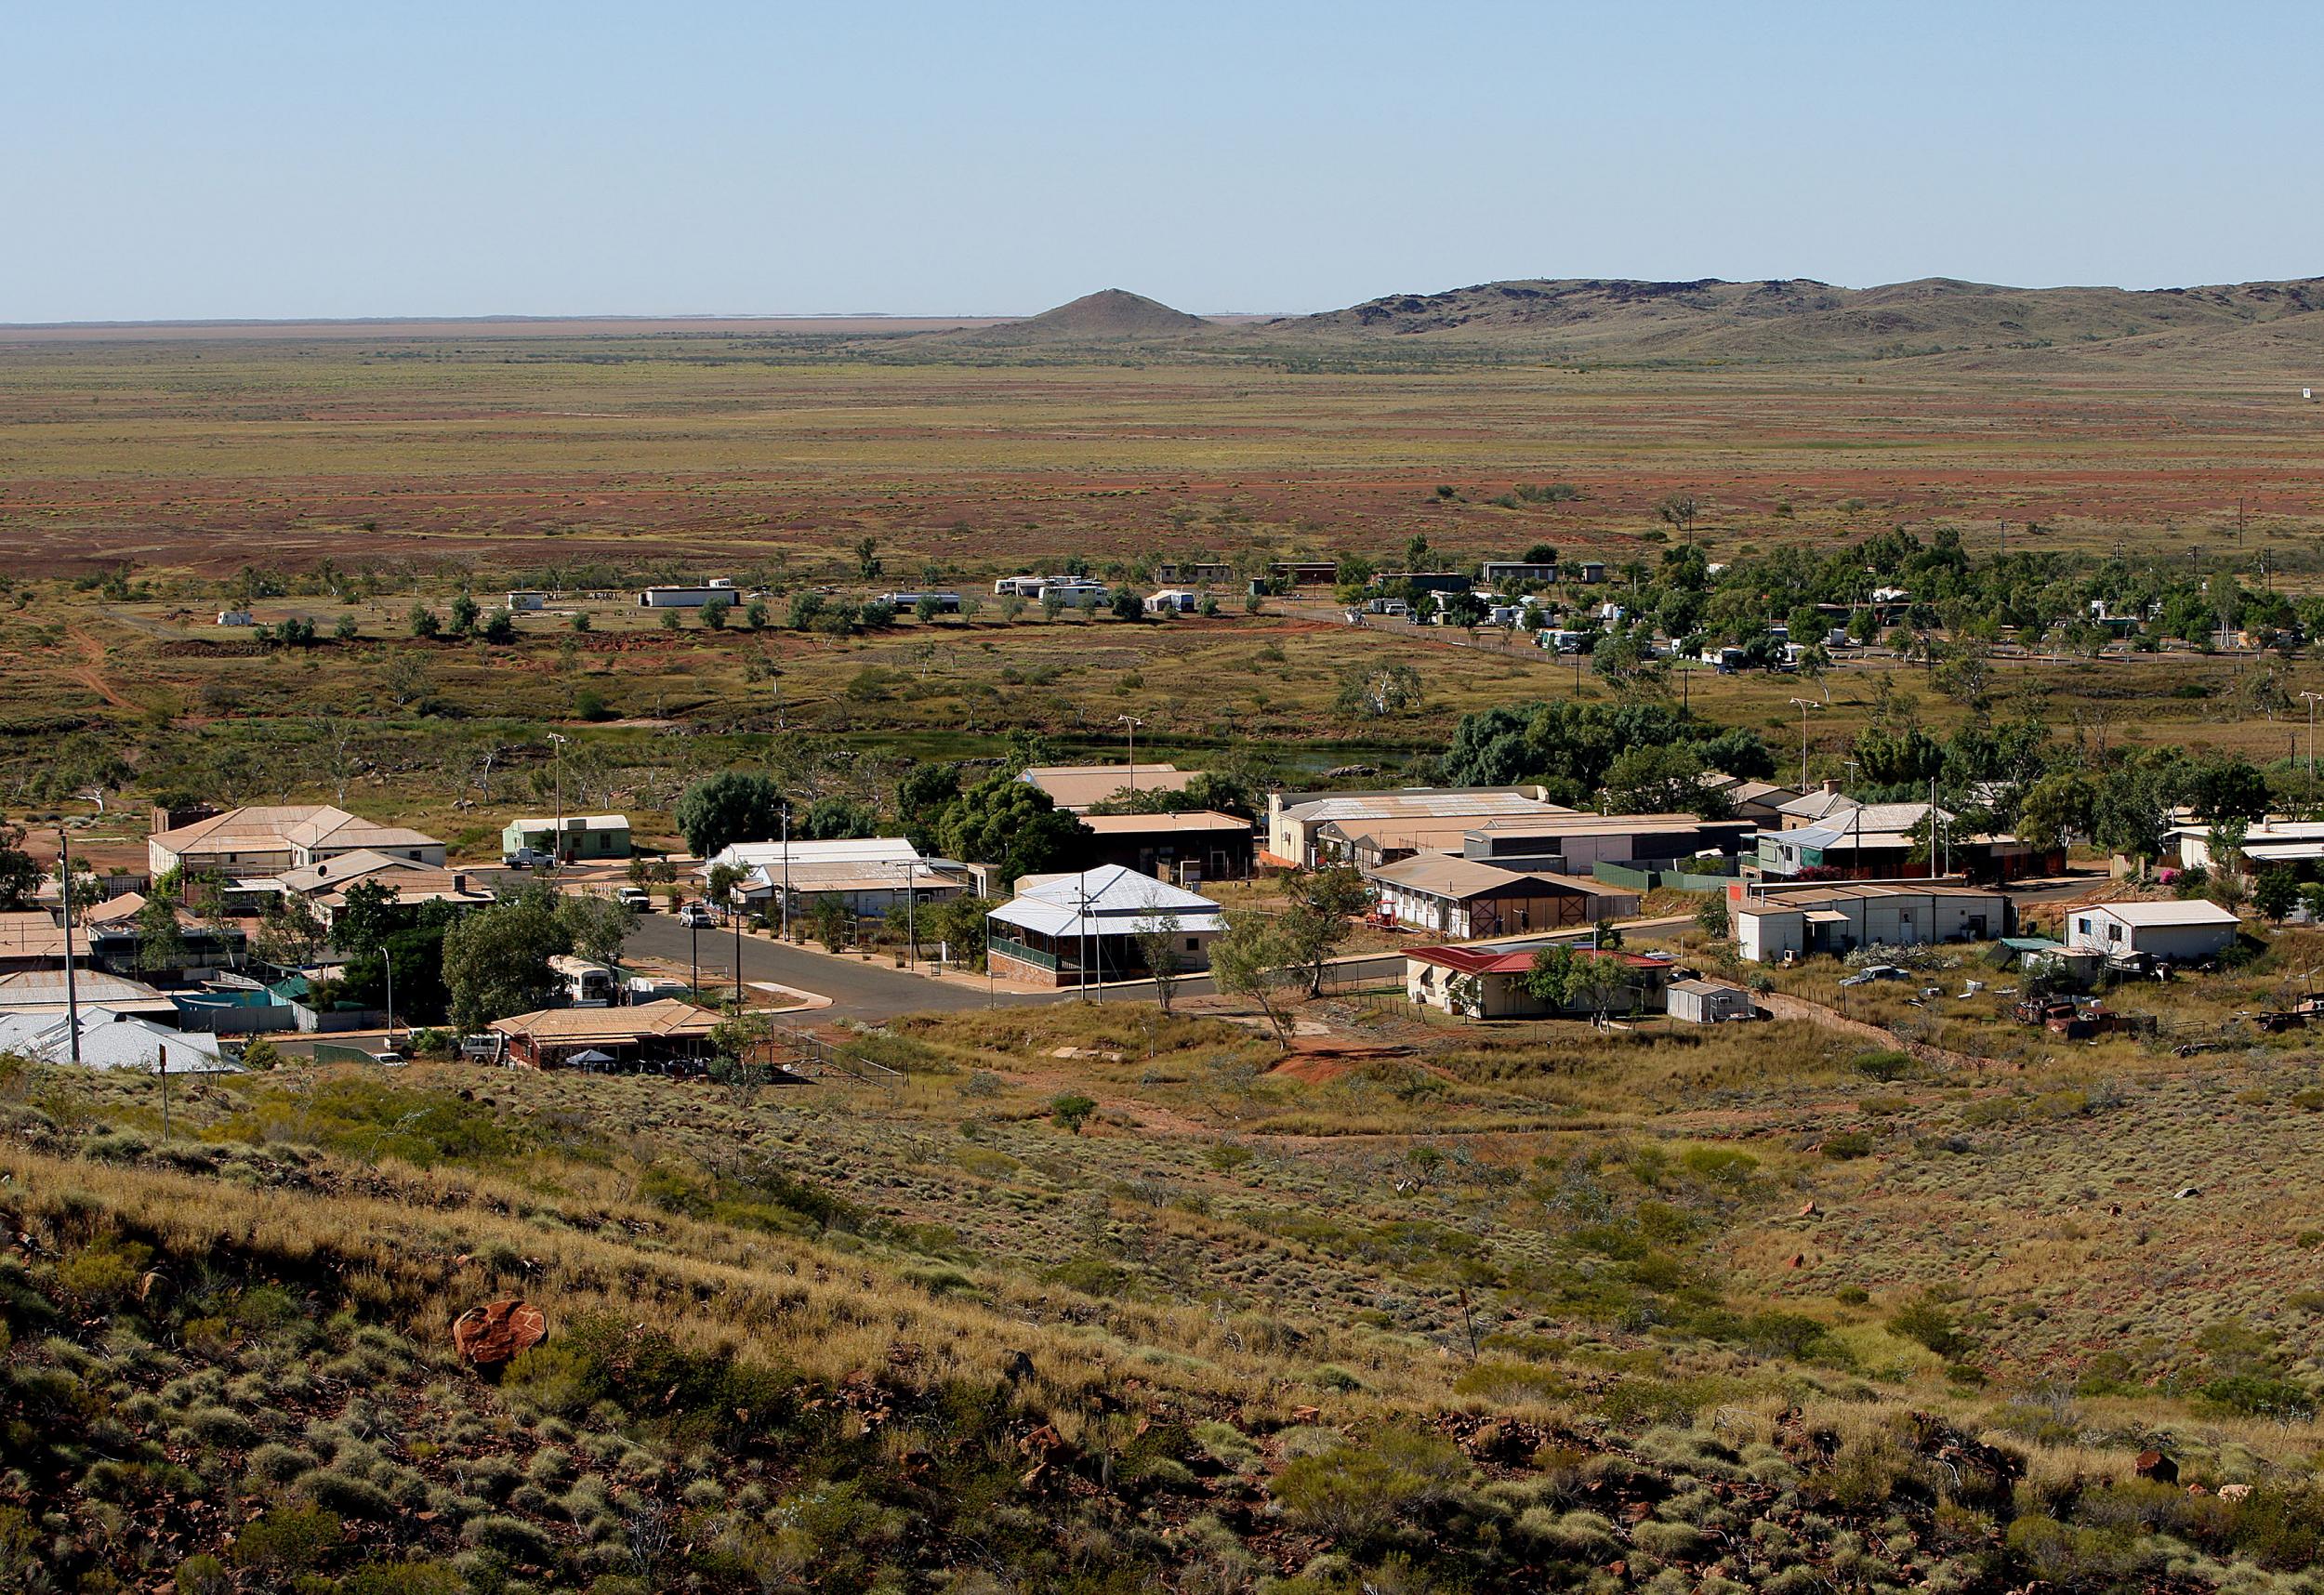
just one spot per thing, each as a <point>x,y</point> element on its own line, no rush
<point>1133,722</point>
<point>557,838</point>
<point>911,924</point>
<point>1805,705</point>
<point>388,959</point>
<point>71,987</point>
<point>786,871</point>
<point>2312,697</point>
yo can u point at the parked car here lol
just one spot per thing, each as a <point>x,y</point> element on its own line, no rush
<point>697,916</point>
<point>635,899</point>
<point>1871,972</point>
<point>526,858</point>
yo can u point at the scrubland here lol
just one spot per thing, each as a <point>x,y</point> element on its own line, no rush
<point>1105,1298</point>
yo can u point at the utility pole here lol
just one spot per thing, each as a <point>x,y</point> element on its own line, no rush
<point>389,962</point>
<point>787,872</point>
<point>162,1068</point>
<point>2312,697</point>
<point>911,924</point>
<point>71,988</point>
<point>736,893</point>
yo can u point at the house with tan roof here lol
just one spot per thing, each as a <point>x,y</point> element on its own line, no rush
<point>1295,820</point>
<point>269,840</point>
<point>665,1035</point>
<point>1464,899</point>
<point>1077,788</point>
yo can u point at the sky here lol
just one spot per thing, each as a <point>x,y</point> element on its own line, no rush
<point>225,160</point>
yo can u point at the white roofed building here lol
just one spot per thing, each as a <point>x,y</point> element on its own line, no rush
<point>1065,929</point>
<point>111,1040</point>
<point>2175,932</point>
<point>868,875</point>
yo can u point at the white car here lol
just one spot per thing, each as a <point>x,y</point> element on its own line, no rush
<point>634,899</point>
<point>696,917</point>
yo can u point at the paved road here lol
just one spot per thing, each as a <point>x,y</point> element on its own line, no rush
<point>857,990</point>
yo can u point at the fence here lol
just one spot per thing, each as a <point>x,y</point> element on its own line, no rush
<point>1010,948</point>
<point>1632,878</point>
<point>230,1017</point>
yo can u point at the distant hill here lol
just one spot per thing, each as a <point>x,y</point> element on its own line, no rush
<point>1111,314</point>
<point>1801,319</point>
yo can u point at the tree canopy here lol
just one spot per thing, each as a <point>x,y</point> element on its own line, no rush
<point>733,806</point>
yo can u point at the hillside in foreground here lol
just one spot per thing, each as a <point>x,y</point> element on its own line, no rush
<point>1101,1300</point>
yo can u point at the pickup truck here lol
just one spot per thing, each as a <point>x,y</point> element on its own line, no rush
<point>634,899</point>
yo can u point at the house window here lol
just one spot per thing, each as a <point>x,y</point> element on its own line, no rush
<point>1194,944</point>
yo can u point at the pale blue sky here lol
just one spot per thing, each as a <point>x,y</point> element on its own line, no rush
<point>329,159</point>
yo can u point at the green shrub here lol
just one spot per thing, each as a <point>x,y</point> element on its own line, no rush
<point>1883,1064</point>
<point>1843,1144</point>
<point>286,1540</point>
<point>2259,1395</point>
<point>405,1578</point>
<point>203,1574</point>
<point>1071,1111</point>
<point>1093,1275</point>
<point>1375,1492</point>
<point>1925,1322</point>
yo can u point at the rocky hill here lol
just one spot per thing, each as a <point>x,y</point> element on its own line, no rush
<point>1799,318</point>
<point>1109,315</point>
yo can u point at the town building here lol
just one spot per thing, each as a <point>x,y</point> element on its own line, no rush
<point>1465,900</point>
<point>1795,922</point>
<point>523,599</point>
<point>668,1034</point>
<point>1078,787</point>
<point>2177,932</point>
<point>1195,571</point>
<point>575,839</point>
<point>272,839</point>
<point>1186,849</point>
<point>32,939</point>
<point>717,589</point>
<point>1306,573</point>
<point>117,930</point>
<point>868,876</point>
<point>1489,982</point>
<point>1295,820</point>
<point>43,990</point>
<point>1855,841</point>
<point>2297,844</point>
<point>111,1040</point>
<point>1759,801</point>
<point>1497,574</point>
<point>1069,930</point>
<point>1707,1002</point>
